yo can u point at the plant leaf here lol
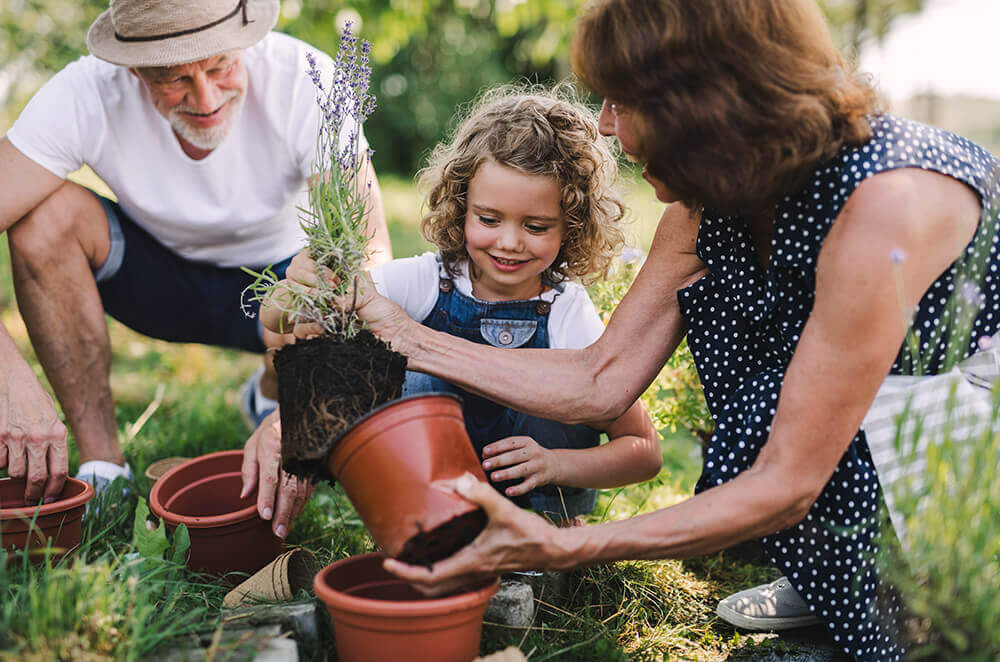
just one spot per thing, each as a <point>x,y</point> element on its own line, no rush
<point>182,542</point>
<point>149,543</point>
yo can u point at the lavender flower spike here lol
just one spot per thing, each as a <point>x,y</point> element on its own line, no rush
<point>971,293</point>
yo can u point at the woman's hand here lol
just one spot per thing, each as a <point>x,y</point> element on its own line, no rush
<point>383,317</point>
<point>280,495</point>
<point>513,539</point>
<point>524,458</point>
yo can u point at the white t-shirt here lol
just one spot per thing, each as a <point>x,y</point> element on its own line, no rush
<point>238,205</point>
<point>412,283</point>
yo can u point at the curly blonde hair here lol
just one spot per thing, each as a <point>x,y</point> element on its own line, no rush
<point>535,131</point>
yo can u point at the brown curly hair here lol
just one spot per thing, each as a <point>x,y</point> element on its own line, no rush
<point>736,101</point>
<point>535,131</point>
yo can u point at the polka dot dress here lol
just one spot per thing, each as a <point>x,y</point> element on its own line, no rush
<point>744,325</point>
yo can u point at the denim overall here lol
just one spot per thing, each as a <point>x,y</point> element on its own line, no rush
<point>506,324</point>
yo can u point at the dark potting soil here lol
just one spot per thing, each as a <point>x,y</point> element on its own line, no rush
<point>427,547</point>
<point>325,384</point>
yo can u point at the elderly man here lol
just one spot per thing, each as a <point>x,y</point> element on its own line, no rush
<point>204,123</point>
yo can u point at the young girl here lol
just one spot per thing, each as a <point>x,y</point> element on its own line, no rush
<point>520,200</point>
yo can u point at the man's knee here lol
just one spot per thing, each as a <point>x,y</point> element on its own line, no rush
<point>71,219</point>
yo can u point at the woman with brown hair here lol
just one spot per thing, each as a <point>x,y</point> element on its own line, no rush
<point>807,233</point>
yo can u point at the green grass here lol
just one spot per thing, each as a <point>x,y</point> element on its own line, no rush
<point>106,606</point>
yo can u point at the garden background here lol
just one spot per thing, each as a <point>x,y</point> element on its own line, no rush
<point>430,57</point>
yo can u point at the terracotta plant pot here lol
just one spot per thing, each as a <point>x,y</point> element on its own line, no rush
<point>325,384</point>
<point>156,470</point>
<point>57,523</point>
<point>377,616</point>
<point>388,463</point>
<point>227,534</point>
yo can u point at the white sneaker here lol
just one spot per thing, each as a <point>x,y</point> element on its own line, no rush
<point>254,407</point>
<point>770,607</point>
<point>100,474</point>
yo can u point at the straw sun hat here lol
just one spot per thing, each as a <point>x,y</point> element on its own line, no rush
<point>162,33</point>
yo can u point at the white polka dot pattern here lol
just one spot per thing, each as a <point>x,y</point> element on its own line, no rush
<point>744,325</point>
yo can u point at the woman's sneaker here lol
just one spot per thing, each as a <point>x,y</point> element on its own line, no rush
<point>770,607</point>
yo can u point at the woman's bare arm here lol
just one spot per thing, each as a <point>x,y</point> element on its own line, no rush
<point>595,384</point>
<point>847,347</point>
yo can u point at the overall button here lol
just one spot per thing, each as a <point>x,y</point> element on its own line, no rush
<point>445,285</point>
<point>506,332</point>
<point>543,307</point>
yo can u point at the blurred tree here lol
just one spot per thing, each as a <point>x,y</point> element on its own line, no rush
<point>854,21</point>
<point>432,56</point>
<point>38,37</point>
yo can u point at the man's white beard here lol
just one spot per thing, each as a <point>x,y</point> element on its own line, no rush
<point>210,137</point>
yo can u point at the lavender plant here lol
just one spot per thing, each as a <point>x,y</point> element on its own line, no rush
<point>335,222</point>
<point>940,483</point>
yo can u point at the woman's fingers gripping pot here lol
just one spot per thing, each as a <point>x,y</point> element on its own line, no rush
<point>513,539</point>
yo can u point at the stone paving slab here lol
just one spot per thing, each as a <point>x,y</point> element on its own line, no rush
<point>273,631</point>
<point>811,644</point>
<point>270,644</point>
<point>298,618</point>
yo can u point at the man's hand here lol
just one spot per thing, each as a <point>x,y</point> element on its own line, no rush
<point>513,539</point>
<point>32,438</point>
<point>280,495</point>
<point>524,458</point>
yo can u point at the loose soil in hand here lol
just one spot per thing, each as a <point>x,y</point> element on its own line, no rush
<point>428,547</point>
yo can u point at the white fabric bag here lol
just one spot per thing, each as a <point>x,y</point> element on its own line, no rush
<point>957,405</point>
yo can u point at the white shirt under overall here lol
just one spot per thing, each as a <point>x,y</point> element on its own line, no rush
<point>412,283</point>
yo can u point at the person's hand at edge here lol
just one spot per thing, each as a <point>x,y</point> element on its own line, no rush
<point>32,438</point>
<point>513,539</point>
<point>280,495</point>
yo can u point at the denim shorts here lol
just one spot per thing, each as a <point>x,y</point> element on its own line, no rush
<point>152,290</point>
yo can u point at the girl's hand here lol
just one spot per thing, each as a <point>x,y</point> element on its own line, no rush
<point>526,459</point>
<point>513,539</point>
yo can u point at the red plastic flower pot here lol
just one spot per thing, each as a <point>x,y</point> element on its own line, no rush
<point>58,524</point>
<point>227,534</point>
<point>388,464</point>
<point>377,616</point>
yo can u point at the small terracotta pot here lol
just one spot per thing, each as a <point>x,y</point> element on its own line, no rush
<point>227,534</point>
<point>57,523</point>
<point>377,616</point>
<point>156,470</point>
<point>388,463</point>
